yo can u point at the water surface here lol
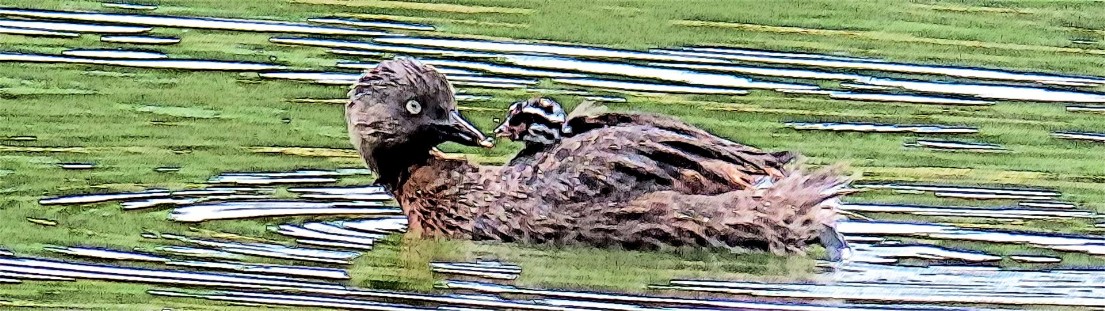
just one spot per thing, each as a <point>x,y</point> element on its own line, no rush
<point>121,54</point>
<point>1095,137</point>
<point>130,6</point>
<point>955,145</point>
<point>359,45</point>
<point>141,40</point>
<point>550,49</point>
<point>372,24</point>
<point>961,72</point>
<point>37,32</point>
<point>991,91</point>
<point>190,22</point>
<point>901,98</point>
<point>883,128</point>
<point>696,78</point>
<point>650,87</point>
<point>71,27</point>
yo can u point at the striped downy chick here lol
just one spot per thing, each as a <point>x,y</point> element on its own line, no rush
<point>538,122</point>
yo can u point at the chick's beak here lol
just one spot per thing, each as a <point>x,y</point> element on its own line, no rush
<point>461,131</point>
<point>504,130</point>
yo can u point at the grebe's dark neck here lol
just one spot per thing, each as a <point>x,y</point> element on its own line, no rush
<point>393,165</point>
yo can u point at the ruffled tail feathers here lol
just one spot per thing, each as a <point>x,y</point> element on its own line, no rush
<point>829,184</point>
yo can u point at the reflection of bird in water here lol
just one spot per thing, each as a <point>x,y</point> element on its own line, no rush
<point>634,186</point>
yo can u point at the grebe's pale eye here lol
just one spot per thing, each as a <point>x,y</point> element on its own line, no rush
<point>414,107</point>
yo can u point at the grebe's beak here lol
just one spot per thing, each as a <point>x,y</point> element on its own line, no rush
<point>459,130</point>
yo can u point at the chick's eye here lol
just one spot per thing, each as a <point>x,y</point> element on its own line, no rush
<point>414,107</point>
